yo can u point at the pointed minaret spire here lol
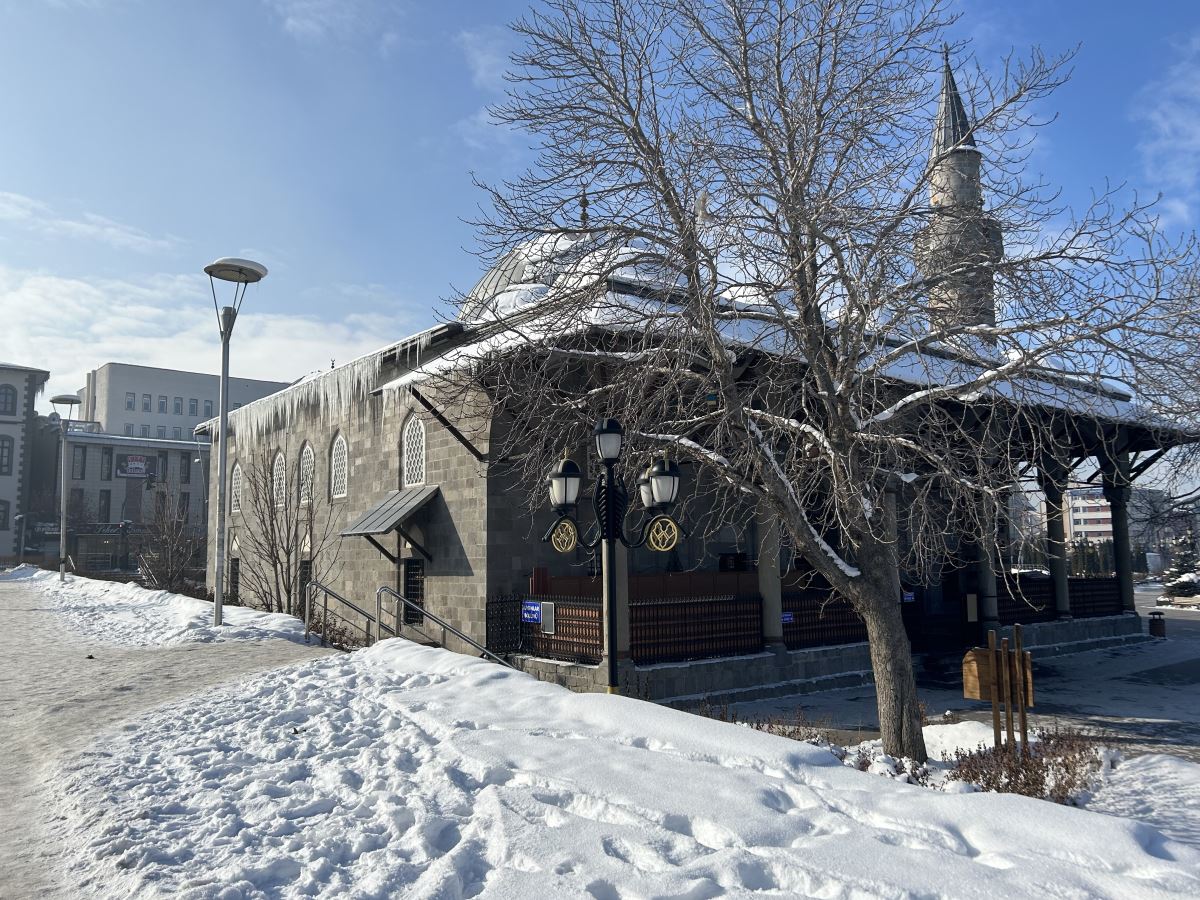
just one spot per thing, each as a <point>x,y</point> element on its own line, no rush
<point>961,244</point>
<point>951,128</point>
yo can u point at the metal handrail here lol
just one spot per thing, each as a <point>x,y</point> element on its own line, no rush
<point>442,622</point>
<point>327,592</point>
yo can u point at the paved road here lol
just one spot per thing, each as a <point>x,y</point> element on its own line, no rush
<point>58,693</point>
<point>1144,697</point>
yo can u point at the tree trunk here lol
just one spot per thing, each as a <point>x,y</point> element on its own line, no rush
<point>895,683</point>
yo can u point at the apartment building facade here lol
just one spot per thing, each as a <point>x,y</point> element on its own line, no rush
<point>19,386</point>
<point>160,404</point>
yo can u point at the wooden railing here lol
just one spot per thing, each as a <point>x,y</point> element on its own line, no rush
<point>674,630</point>
<point>818,618</point>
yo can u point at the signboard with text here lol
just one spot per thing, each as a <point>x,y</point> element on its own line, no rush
<point>136,465</point>
<point>531,611</point>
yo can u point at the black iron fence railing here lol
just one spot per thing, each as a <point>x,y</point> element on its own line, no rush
<point>816,617</point>
<point>1030,598</point>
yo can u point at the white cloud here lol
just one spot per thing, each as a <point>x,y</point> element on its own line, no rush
<point>70,325</point>
<point>20,211</point>
<point>487,50</point>
<point>1169,110</point>
<point>318,20</point>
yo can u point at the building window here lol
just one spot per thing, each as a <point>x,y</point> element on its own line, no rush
<point>161,473</point>
<point>162,432</point>
<point>185,503</point>
<point>78,462</point>
<point>177,433</point>
<point>179,406</point>
<point>131,401</point>
<point>235,489</point>
<point>308,465</point>
<point>104,506</point>
<point>6,454</point>
<point>337,468</point>
<point>279,481</point>
<point>106,461</point>
<point>305,578</point>
<point>160,505</point>
<point>8,400</point>
<point>146,403</point>
<point>3,515</point>
<point>237,406</point>
<point>75,508</point>
<point>162,403</point>
<point>414,452</point>
<point>129,429</point>
<point>193,407</point>
<point>235,576</point>
<point>145,431</point>
<point>185,468</point>
<point>414,590</point>
<point>208,409</point>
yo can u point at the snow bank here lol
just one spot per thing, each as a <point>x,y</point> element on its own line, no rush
<point>129,614</point>
<point>1155,786</point>
<point>406,770</point>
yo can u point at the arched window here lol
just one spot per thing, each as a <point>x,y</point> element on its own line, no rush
<point>279,481</point>
<point>337,468</point>
<point>6,454</point>
<point>235,489</point>
<point>308,465</point>
<point>8,400</point>
<point>414,452</point>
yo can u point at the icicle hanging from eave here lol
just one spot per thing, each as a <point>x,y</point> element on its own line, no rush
<point>334,392</point>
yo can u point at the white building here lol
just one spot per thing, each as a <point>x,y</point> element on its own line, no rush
<point>163,404</point>
<point>19,385</point>
<point>1088,517</point>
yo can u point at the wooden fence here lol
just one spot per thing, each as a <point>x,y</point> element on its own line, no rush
<point>817,618</point>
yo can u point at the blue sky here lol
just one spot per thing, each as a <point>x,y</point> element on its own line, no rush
<point>334,139</point>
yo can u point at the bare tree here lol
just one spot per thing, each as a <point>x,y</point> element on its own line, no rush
<point>170,547</point>
<point>289,534</point>
<point>816,310</point>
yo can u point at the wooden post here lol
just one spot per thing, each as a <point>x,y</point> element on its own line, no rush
<point>1019,655</point>
<point>1007,693</point>
<point>994,687</point>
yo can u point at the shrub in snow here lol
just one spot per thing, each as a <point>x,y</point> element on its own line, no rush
<point>1060,765</point>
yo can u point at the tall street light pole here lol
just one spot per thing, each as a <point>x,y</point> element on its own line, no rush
<point>67,400</point>
<point>240,273</point>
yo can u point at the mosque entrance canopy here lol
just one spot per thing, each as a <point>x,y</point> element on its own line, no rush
<point>390,514</point>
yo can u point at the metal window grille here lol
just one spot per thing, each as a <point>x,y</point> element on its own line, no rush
<point>235,489</point>
<point>414,589</point>
<point>8,400</point>
<point>308,465</point>
<point>279,481</point>
<point>235,577</point>
<point>414,452</point>
<point>6,455</point>
<point>337,468</point>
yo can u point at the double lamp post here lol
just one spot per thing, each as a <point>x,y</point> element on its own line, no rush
<point>658,488</point>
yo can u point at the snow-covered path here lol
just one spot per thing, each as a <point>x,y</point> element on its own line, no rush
<point>54,702</point>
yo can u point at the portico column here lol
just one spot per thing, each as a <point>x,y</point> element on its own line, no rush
<point>989,607</point>
<point>770,582</point>
<point>1053,479</point>
<point>1116,491</point>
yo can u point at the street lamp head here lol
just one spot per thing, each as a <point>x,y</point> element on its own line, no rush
<point>645,489</point>
<point>664,482</point>
<point>239,271</point>
<point>609,435</point>
<point>565,481</point>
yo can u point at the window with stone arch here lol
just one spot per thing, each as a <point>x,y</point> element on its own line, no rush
<point>279,481</point>
<point>337,468</point>
<point>235,489</point>
<point>308,466</point>
<point>8,400</point>
<point>414,452</point>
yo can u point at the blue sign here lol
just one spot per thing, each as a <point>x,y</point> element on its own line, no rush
<point>909,597</point>
<point>531,611</point>
<point>788,618</point>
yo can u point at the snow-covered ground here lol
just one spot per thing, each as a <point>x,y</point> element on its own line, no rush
<point>409,771</point>
<point>129,614</point>
<point>406,770</point>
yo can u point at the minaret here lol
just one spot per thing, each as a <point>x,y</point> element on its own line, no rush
<point>961,243</point>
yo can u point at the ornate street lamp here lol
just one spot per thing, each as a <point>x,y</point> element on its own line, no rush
<point>241,273</point>
<point>658,488</point>
<point>67,400</point>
